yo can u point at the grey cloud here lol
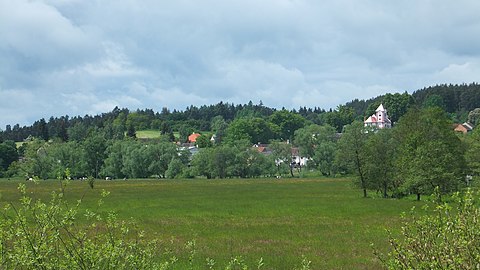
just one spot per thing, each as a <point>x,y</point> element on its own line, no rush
<point>76,57</point>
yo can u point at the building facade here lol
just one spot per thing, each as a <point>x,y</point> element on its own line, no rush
<point>379,119</point>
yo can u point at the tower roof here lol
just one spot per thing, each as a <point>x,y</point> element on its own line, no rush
<point>380,108</point>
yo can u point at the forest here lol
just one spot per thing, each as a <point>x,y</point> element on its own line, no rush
<point>253,140</point>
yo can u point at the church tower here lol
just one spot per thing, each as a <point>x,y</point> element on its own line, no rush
<point>379,119</point>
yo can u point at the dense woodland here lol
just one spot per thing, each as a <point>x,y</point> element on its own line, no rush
<point>419,153</point>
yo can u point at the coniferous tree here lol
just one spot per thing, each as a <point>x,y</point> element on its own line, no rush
<point>131,131</point>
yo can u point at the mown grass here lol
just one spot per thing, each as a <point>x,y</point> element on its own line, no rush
<point>148,134</point>
<point>280,220</point>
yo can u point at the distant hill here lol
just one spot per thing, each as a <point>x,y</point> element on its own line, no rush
<point>457,100</point>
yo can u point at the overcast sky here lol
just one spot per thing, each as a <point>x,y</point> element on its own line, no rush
<point>80,57</point>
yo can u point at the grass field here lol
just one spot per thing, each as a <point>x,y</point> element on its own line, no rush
<point>148,134</point>
<point>280,220</point>
<point>18,144</point>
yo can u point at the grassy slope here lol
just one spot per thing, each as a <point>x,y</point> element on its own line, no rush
<point>279,220</point>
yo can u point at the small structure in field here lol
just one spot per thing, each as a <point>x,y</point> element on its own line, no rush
<point>464,128</point>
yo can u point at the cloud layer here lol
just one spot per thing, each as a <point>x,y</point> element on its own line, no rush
<point>76,57</point>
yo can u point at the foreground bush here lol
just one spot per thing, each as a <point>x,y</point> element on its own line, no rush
<point>447,239</point>
<point>39,235</point>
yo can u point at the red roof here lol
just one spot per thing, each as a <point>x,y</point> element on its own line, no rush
<point>193,138</point>
<point>261,149</point>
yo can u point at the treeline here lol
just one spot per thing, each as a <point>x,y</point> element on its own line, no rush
<point>457,100</point>
<point>106,145</point>
<point>420,153</point>
<point>118,121</point>
<point>129,158</point>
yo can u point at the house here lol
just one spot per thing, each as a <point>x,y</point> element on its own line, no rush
<point>263,148</point>
<point>464,128</point>
<point>191,147</point>
<point>379,119</point>
<point>193,138</point>
<point>296,159</point>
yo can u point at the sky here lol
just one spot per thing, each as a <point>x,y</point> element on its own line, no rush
<point>77,57</point>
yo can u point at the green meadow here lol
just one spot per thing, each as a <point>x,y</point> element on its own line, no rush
<point>279,220</point>
<point>148,134</point>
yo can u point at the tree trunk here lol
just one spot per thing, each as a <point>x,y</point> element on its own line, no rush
<point>418,196</point>
<point>365,193</point>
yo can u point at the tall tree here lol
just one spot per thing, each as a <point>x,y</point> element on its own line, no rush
<point>434,100</point>
<point>282,155</point>
<point>397,105</point>
<point>131,131</point>
<point>254,130</point>
<point>219,127</point>
<point>175,168</point>
<point>288,122</point>
<point>202,162</point>
<point>340,117</point>
<point>430,155</point>
<point>474,117</point>
<point>184,131</point>
<point>352,153</point>
<point>95,147</point>
<point>78,132</point>
<point>203,141</point>
<point>117,157</point>
<point>67,156</point>
<point>37,161</point>
<point>380,157</point>
<point>159,157</point>
<point>41,130</point>
<point>317,143</point>
<point>472,154</point>
<point>136,160</point>
<point>8,154</point>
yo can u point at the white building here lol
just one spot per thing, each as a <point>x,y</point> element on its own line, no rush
<point>379,119</point>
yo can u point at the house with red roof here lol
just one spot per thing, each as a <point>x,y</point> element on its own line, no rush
<point>464,128</point>
<point>193,138</point>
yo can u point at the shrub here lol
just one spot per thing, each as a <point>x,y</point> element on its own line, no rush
<point>449,238</point>
<point>39,235</point>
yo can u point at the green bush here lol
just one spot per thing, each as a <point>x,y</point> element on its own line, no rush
<point>449,238</point>
<point>39,235</point>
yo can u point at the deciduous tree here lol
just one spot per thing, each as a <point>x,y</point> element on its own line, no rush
<point>95,147</point>
<point>352,153</point>
<point>474,117</point>
<point>380,157</point>
<point>282,156</point>
<point>472,153</point>
<point>318,144</point>
<point>430,155</point>
<point>288,122</point>
<point>8,154</point>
